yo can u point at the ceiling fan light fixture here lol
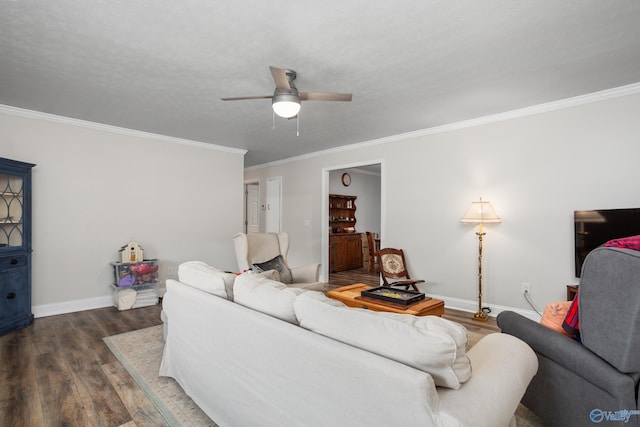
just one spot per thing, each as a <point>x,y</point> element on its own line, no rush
<point>286,105</point>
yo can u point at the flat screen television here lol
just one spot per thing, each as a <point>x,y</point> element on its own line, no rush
<point>596,227</point>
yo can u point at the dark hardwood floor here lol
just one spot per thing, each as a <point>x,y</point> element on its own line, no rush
<point>59,372</point>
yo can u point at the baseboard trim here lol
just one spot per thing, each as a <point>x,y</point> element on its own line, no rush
<point>72,306</point>
<point>107,301</point>
<point>472,307</point>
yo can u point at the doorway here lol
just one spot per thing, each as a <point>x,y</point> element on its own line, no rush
<point>366,219</point>
<point>252,208</point>
<point>274,204</point>
<point>272,207</point>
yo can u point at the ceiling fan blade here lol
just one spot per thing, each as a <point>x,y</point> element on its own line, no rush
<point>325,96</point>
<point>280,78</point>
<point>242,98</point>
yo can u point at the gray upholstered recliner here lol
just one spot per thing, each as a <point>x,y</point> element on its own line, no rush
<point>600,376</point>
<point>260,247</point>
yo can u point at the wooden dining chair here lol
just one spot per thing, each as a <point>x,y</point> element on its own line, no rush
<point>393,266</point>
<point>374,255</point>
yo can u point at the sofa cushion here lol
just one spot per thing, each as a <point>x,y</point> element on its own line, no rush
<point>269,274</point>
<point>206,278</point>
<point>266,296</point>
<point>430,344</point>
<point>279,264</point>
<point>321,297</point>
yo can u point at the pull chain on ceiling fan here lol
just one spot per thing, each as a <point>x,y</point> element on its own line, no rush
<point>297,117</point>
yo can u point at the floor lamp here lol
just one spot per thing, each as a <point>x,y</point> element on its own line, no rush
<point>480,213</point>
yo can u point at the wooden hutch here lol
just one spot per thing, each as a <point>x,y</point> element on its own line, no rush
<point>345,244</point>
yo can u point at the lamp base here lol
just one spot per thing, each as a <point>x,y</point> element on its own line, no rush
<point>480,317</point>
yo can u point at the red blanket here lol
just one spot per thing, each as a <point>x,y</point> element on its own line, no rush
<point>632,242</point>
<point>571,323</point>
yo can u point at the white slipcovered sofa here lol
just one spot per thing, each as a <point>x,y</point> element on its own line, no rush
<point>281,356</point>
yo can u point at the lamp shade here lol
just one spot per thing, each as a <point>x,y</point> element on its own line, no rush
<point>480,212</point>
<point>286,105</point>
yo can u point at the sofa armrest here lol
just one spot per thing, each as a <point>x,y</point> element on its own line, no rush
<point>500,364</point>
<point>564,351</point>
<point>305,274</point>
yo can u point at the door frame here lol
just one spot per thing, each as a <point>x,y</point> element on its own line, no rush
<point>245,225</point>
<point>324,229</point>
<point>274,198</point>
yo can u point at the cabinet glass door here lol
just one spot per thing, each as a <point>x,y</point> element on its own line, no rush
<point>11,210</point>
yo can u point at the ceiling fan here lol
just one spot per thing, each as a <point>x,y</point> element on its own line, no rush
<point>286,98</point>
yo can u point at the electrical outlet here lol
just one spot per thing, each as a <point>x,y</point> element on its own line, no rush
<point>526,288</point>
<point>170,271</point>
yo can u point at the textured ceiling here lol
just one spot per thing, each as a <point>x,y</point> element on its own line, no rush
<point>162,66</point>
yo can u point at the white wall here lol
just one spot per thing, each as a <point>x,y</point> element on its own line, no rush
<point>535,169</point>
<point>95,189</point>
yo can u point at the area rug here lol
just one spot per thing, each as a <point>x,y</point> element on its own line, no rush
<point>140,353</point>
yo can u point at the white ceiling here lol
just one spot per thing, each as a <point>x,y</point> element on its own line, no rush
<point>162,66</point>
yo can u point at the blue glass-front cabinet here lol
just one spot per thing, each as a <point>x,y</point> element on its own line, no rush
<point>15,245</point>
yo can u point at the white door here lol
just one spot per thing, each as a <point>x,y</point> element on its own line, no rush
<point>274,189</point>
<point>252,221</point>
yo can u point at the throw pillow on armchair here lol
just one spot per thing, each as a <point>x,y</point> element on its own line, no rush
<point>279,264</point>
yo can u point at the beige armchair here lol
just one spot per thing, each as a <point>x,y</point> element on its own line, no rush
<point>256,248</point>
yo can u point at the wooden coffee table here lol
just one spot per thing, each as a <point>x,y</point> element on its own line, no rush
<point>350,295</point>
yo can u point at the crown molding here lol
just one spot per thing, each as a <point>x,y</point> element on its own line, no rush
<point>631,89</point>
<point>31,114</point>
